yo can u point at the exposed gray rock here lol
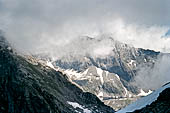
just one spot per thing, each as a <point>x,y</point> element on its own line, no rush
<point>107,86</point>
<point>118,70</point>
<point>124,62</point>
<point>27,87</point>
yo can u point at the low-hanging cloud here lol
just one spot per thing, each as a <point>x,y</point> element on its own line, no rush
<point>149,77</point>
<point>55,27</point>
<point>35,24</point>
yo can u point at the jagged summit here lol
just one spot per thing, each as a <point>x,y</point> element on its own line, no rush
<point>121,59</point>
<point>110,56</point>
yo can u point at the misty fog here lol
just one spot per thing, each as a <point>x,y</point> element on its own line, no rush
<point>56,26</point>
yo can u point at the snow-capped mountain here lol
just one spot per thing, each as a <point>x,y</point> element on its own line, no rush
<point>28,85</point>
<point>157,102</point>
<point>123,59</point>
<point>107,86</point>
<point>109,77</point>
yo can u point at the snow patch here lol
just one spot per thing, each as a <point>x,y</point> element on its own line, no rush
<point>76,105</point>
<point>126,91</point>
<point>107,73</point>
<point>100,95</point>
<point>9,48</point>
<point>145,60</point>
<point>132,63</point>
<point>142,102</point>
<point>85,72</point>
<point>100,73</point>
<point>143,93</point>
<point>117,77</point>
<point>50,64</point>
<point>71,72</point>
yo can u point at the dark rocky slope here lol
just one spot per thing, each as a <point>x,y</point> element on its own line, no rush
<point>35,88</point>
<point>124,60</point>
<point>161,105</point>
<point>156,102</point>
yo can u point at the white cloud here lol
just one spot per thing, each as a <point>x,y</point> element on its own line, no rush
<point>153,78</point>
<point>35,25</point>
<point>54,26</point>
<point>103,51</point>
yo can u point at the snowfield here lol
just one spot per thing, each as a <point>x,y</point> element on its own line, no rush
<point>141,103</point>
<point>76,105</point>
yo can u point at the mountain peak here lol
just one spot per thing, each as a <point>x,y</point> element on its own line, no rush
<point>28,86</point>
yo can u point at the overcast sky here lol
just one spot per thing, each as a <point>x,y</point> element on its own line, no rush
<point>54,27</point>
<point>31,25</point>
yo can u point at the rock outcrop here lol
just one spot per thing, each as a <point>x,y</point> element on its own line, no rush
<point>27,87</point>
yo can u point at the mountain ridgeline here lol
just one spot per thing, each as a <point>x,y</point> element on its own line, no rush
<point>123,60</point>
<point>83,84</point>
<point>110,76</point>
<point>29,86</point>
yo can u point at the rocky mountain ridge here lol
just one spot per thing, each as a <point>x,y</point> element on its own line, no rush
<point>27,86</point>
<point>107,86</point>
<point>109,77</point>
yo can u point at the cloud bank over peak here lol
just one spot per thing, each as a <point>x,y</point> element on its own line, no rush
<point>35,25</point>
<point>55,27</point>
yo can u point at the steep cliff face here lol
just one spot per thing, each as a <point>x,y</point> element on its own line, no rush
<point>33,87</point>
<point>107,86</point>
<point>123,59</point>
<point>108,77</point>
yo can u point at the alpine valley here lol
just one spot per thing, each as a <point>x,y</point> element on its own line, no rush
<point>109,77</point>
<point>81,83</point>
<point>28,85</point>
